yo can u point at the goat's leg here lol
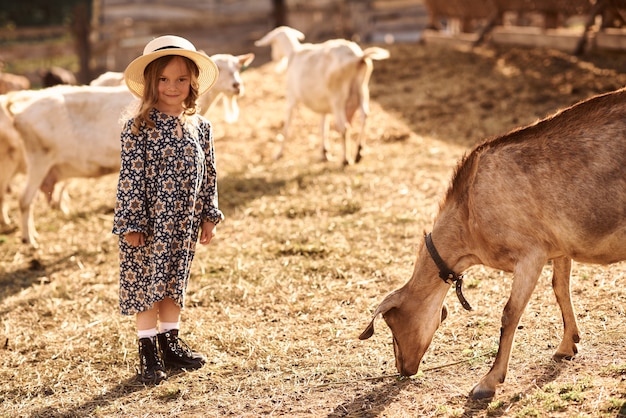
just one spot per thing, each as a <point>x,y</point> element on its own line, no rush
<point>286,129</point>
<point>343,128</point>
<point>360,142</point>
<point>7,171</point>
<point>59,198</point>
<point>36,174</point>
<point>325,155</point>
<point>345,139</point>
<point>561,285</point>
<point>526,275</point>
<point>4,211</point>
<point>28,224</point>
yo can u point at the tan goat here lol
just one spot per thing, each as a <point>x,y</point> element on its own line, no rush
<point>555,190</point>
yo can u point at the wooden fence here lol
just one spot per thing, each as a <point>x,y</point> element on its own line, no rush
<point>545,23</point>
<point>232,26</point>
<point>119,29</point>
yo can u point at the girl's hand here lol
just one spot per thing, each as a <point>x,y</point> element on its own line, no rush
<point>207,233</point>
<point>136,239</point>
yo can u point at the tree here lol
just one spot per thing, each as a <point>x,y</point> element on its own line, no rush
<point>29,13</point>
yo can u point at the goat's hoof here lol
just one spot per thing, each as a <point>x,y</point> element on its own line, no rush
<point>558,357</point>
<point>30,242</point>
<point>478,393</point>
<point>565,352</point>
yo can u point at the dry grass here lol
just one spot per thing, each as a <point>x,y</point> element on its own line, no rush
<point>307,252</point>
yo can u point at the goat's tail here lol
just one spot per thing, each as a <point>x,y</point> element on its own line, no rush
<point>14,101</point>
<point>376,53</point>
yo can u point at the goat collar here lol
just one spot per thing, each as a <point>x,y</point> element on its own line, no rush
<point>445,273</point>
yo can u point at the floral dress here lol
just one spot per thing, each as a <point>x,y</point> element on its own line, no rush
<point>167,186</point>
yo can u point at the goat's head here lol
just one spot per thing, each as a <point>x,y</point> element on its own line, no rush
<point>283,40</point>
<point>413,313</point>
<point>229,81</point>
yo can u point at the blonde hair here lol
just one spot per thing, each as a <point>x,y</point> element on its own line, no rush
<point>151,75</point>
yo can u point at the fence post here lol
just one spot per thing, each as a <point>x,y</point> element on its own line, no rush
<point>80,31</point>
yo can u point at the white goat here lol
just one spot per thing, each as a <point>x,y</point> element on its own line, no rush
<point>81,139</point>
<point>12,152</point>
<point>67,131</point>
<point>228,87</point>
<point>329,78</point>
<point>12,157</point>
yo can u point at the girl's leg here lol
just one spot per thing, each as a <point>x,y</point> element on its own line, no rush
<point>169,311</point>
<point>147,320</point>
<point>151,369</point>
<point>174,351</point>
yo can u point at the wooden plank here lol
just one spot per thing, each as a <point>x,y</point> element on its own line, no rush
<point>439,38</point>
<point>611,38</point>
<point>33,33</point>
<point>384,5</point>
<point>219,6</point>
<point>174,14</point>
<point>566,7</point>
<point>37,51</point>
<point>561,39</point>
<point>462,9</point>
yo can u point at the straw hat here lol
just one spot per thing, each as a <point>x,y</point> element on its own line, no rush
<point>170,45</point>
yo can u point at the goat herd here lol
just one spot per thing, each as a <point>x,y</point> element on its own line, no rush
<point>552,191</point>
<point>65,131</point>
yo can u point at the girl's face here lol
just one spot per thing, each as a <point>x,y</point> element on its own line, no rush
<point>174,85</point>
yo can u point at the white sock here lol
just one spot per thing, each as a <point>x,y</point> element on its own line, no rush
<point>147,333</point>
<point>168,326</point>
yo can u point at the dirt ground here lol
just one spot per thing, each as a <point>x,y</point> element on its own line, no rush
<point>306,253</point>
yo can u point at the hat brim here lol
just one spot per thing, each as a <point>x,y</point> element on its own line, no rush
<point>133,75</point>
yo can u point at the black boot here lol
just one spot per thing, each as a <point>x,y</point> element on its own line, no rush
<point>151,368</point>
<point>176,353</point>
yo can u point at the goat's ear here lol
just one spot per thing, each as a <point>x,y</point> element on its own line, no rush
<point>265,41</point>
<point>245,60</point>
<point>299,35</point>
<point>444,312</point>
<point>391,301</point>
<point>369,331</point>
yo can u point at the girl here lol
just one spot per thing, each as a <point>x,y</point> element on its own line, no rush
<point>166,196</point>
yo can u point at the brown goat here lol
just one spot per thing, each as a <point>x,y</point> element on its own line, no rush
<point>554,190</point>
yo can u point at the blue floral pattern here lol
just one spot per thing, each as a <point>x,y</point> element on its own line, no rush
<point>167,186</point>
